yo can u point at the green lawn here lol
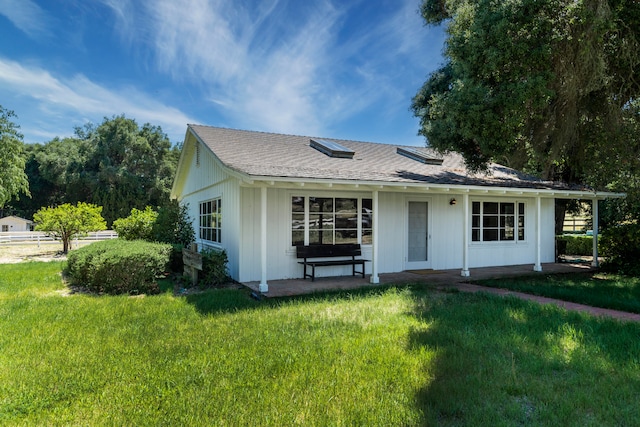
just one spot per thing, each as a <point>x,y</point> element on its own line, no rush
<point>392,356</point>
<point>598,290</point>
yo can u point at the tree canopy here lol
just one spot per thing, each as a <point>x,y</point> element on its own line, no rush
<point>13,179</point>
<point>118,165</point>
<point>548,86</point>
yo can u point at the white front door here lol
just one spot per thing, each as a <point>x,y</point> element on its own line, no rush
<point>418,236</point>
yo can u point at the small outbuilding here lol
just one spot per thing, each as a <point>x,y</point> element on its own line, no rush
<point>15,223</point>
<point>259,195</point>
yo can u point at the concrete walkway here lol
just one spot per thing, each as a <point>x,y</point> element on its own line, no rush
<point>445,279</point>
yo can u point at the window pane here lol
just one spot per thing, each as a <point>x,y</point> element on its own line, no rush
<point>347,221</point>
<point>367,237</point>
<point>521,208</point>
<point>490,221</point>
<point>346,236</point>
<point>507,221</point>
<point>476,208</point>
<point>320,204</point>
<point>475,221</point>
<point>506,234</point>
<point>320,221</point>
<point>297,221</point>
<point>490,208</point>
<point>506,208</point>
<point>297,204</point>
<point>490,235</point>
<point>521,234</point>
<point>297,238</point>
<point>475,235</point>
<point>346,205</point>
<point>367,204</point>
<point>321,237</point>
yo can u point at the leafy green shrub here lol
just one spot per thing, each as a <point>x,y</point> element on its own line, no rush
<point>214,267</point>
<point>173,225</point>
<point>118,266</point>
<point>621,248</point>
<point>138,225</point>
<point>575,245</point>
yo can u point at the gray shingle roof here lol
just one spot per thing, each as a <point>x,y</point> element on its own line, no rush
<point>261,154</point>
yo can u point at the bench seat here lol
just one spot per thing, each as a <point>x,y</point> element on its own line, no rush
<point>312,255</point>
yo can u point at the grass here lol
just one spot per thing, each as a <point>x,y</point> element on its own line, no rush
<point>389,356</point>
<point>598,290</point>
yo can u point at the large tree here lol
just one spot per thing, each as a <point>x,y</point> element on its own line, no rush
<point>13,179</point>
<point>130,166</point>
<point>118,165</point>
<point>549,86</point>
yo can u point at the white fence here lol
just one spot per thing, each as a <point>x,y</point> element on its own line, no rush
<point>38,237</point>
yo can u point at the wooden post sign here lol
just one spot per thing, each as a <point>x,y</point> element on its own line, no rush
<point>192,262</point>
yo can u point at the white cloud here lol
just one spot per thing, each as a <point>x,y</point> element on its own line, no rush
<point>79,97</point>
<point>27,16</point>
<point>285,65</point>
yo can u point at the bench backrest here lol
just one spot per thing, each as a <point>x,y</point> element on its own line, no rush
<point>327,251</point>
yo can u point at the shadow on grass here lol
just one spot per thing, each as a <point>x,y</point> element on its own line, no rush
<point>503,361</point>
<point>596,289</point>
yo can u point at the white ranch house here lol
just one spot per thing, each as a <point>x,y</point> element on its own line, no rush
<point>13,223</point>
<point>258,195</point>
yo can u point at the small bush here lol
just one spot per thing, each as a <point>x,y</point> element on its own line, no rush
<point>214,267</point>
<point>575,245</point>
<point>621,249</point>
<point>118,266</point>
<point>138,225</point>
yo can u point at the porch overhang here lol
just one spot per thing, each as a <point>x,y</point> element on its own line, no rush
<point>472,190</point>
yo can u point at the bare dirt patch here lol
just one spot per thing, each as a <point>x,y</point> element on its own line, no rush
<point>14,253</point>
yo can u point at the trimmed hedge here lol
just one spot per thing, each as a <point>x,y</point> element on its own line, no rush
<point>119,266</point>
<point>575,245</point>
<point>621,249</point>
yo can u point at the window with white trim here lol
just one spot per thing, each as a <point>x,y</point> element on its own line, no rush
<point>497,221</point>
<point>210,225</point>
<point>331,220</point>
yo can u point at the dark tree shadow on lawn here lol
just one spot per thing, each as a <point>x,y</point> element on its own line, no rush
<point>503,361</point>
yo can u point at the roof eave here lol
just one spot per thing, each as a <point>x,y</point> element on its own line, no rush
<point>253,180</point>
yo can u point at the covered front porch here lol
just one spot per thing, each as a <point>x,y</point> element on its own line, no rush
<point>293,287</point>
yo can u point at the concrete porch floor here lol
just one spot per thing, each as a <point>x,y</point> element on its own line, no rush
<point>292,287</point>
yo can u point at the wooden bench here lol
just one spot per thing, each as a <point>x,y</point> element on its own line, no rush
<point>309,253</point>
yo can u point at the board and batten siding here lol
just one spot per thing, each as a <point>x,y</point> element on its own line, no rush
<point>281,257</point>
<point>446,230</point>
<point>206,181</point>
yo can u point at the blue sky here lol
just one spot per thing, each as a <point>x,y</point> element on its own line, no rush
<point>329,68</point>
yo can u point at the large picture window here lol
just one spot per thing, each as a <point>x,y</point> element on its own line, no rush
<point>330,220</point>
<point>211,220</point>
<point>497,221</point>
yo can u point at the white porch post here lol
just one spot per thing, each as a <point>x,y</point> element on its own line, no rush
<point>465,236</point>
<point>263,287</point>
<point>538,264</point>
<point>374,247</point>
<point>596,220</point>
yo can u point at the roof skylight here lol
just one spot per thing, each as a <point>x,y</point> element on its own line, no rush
<point>332,149</point>
<point>419,155</point>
